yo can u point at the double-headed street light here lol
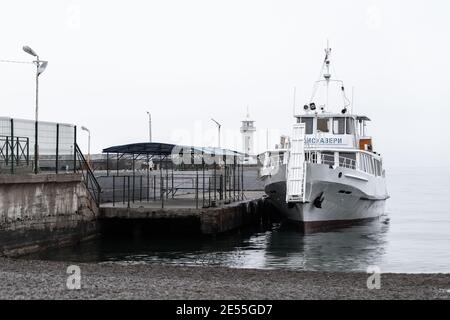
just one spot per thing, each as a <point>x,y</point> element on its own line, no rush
<point>89,144</point>
<point>40,67</point>
<point>218,128</point>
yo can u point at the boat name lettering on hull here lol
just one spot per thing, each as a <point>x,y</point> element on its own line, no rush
<point>324,140</point>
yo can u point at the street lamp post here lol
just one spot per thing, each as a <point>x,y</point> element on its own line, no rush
<point>89,144</point>
<point>218,128</point>
<point>149,126</point>
<point>40,67</point>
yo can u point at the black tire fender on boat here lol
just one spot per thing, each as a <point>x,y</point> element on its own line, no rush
<point>318,201</point>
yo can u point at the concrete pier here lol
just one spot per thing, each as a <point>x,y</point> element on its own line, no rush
<point>53,210</point>
<point>212,220</point>
<point>44,210</point>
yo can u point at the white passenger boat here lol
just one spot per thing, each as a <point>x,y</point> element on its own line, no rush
<point>330,174</point>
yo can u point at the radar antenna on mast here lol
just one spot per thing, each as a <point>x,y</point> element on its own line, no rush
<point>325,77</point>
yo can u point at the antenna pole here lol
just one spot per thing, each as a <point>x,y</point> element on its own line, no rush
<point>293,105</point>
<point>353,99</point>
<point>327,75</point>
<point>328,72</point>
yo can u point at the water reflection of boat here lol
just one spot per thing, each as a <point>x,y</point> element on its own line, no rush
<point>349,249</point>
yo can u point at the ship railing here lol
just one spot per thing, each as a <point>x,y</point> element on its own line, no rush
<point>347,163</point>
<point>314,157</point>
<point>275,160</point>
<point>329,159</point>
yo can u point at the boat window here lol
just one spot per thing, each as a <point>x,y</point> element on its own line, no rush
<point>378,167</point>
<point>322,125</point>
<point>370,166</point>
<point>365,131</point>
<point>347,159</point>
<point>338,125</point>
<point>350,125</point>
<point>362,163</point>
<point>367,163</point>
<point>311,157</point>
<point>328,158</point>
<point>348,155</point>
<point>308,124</point>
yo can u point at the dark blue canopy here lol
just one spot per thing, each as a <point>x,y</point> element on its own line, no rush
<point>156,148</point>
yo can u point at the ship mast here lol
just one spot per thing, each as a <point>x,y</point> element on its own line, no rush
<point>325,72</point>
<point>327,75</point>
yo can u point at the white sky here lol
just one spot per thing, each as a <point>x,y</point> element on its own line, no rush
<point>188,61</point>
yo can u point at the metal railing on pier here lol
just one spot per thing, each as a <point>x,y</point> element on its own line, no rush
<point>27,146</point>
<point>191,188</point>
<point>14,152</point>
<point>89,178</point>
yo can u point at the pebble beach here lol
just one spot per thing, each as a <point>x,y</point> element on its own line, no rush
<point>36,279</point>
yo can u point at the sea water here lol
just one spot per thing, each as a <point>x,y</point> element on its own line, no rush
<point>412,237</point>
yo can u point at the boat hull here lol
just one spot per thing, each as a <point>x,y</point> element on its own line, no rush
<point>334,197</point>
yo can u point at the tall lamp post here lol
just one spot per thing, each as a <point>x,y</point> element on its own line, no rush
<point>89,144</point>
<point>218,128</point>
<point>40,67</point>
<point>149,126</point>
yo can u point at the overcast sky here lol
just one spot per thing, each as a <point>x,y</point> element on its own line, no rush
<point>188,61</point>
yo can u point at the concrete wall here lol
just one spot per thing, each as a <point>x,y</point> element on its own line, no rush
<point>44,210</point>
<point>210,221</point>
<point>234,216</point>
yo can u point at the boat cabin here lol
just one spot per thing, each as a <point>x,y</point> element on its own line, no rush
<point>335,140</point>
<point>329,130</point>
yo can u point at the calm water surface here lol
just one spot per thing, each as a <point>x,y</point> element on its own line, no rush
<point>413,237</point>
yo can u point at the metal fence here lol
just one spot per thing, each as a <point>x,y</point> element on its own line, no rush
<point>54,151</point>
<point>193,188</point>
<point>30,147</point>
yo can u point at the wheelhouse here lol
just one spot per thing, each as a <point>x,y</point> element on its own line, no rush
<point>339,130</point>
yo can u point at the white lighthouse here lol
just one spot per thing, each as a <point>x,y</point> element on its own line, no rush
<point>247,130</point>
